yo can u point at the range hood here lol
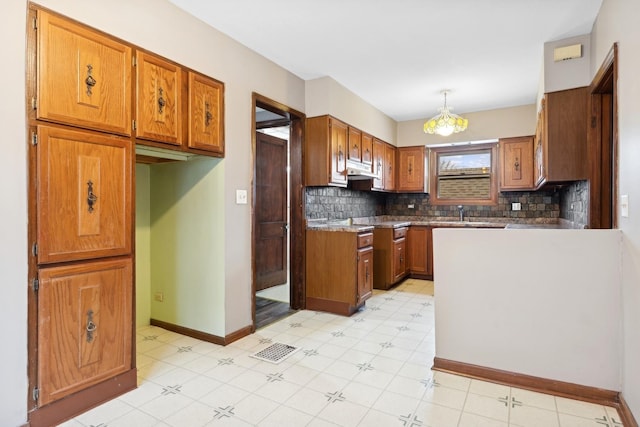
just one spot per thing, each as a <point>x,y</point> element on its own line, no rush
<point>355,174</point>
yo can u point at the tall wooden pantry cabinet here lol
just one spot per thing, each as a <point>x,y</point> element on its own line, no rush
<point>91,99</point>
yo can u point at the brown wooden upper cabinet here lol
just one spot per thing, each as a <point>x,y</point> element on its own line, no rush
<point>411,169</point>
<point>561,137</point>
<point>206,113</point>
<point>83,76</point>
<point>326,152</point>
<point>84,194</point>
<point>367,149</point>
<point>516,163</point>
<point>377,166</point>
<point>158,101</point>
<point>389,167</point>
<point>355,145</point>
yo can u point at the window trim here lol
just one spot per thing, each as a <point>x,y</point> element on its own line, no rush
<point>433,174</point>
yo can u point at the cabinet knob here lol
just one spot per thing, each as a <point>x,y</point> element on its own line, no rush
<point>207,115</point>
<point>161,101</point>
<point>90,81</point>
<point>91,197</point>
<point>91,326</point>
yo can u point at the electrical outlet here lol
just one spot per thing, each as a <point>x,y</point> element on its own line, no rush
<point>624,205</point>
<point>158,296</point>
<point>516,206</point>
<point>411,206</point>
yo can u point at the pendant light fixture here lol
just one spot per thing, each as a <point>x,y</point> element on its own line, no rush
<point>446,122</point>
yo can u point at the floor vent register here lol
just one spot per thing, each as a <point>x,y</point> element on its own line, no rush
<point>275,353</point>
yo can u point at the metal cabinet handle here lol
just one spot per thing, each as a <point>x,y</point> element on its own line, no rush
<point>161,101</point>
<point>90,81</point>
<point>207,115</point>
<point>91,197</point>
<point>91,326</point>
<point>516,165</point>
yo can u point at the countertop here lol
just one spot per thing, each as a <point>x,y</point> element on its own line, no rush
<point>361,225</point>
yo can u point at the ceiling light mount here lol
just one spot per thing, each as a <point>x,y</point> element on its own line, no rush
<point>446,122</point>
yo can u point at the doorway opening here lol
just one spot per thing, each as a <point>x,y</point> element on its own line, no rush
<point>277,216</point>
<point>603,144</point>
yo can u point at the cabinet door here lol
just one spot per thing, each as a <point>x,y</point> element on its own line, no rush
<point>539,175</point>
<point>399,259</point>
<point>389,167</point>
<point>417,249</point>
<point>159,109</point>
<point>206,114</point>
<point>84,195</point>
<point>84,326</point>
<point>83,78</point>
<point>377,166</point>
<point>355,143</point>
<point>367,149</point>
<point>516,163</point>
<point>365,274</point>
<point>411,169</point>
<point>339,142</point>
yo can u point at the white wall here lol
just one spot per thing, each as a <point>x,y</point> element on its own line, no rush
<point>13,226</point>
<point>490,124</point>
<point>617,22</point>
<point>538,302</point>
<point>326,96</point>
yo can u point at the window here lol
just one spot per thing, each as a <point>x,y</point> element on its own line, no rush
<point>463,175</point>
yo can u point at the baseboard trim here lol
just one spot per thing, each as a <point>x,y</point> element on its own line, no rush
<point>628,420</point>
<point>542,385</point>
<point>204,336</point>
<point>77,403</point>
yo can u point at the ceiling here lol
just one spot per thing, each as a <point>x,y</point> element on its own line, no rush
<point>398,55</point>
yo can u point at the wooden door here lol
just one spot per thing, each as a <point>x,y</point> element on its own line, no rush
<point>411,169</point>
<point>83,78</point>
<point>389,167</point>
<point>84,326</point>
<point>159,107</point>
<point>339,132</point>
<point>516,163</point>
<point>365,274</point>
<point>206,114</point>
<point>271,211</point>
<point>84,195</point>
<point>355,142</point>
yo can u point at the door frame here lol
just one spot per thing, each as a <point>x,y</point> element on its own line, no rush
<point>296,201</point>
<point>604,83</point>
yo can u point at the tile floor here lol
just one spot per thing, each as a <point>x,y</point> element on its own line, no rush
<point>370,369</point>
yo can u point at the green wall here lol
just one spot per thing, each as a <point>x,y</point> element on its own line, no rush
<point>143,245</point>
<point>187,244</point>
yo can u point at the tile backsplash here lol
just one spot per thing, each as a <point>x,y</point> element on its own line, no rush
<point>341,203</point>
<point>574,202</point>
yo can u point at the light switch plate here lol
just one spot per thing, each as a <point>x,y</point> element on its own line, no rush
<point>241,197</point>
<point>624,205</point>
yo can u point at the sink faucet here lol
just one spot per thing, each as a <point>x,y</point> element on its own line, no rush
<point>461,212</point>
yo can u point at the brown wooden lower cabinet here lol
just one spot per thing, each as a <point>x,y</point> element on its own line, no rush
<point>339,267</point>
<point>390,256</point>
<point>420,251</point>
<point>84,327</point>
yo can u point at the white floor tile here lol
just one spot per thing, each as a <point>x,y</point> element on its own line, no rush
<point>370,369</point>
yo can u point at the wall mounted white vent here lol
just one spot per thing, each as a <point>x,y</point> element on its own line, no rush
<point>567,52</point>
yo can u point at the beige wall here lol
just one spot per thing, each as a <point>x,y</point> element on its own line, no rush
<point>570,73</point>
<point>617,22</point>
<point>490,124</point>
<point>326,96</point>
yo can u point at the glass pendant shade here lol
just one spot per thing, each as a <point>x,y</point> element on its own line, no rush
<point>446,122</point>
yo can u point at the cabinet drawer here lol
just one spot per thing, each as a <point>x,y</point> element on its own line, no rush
<point>399,233</point>
<point>365,239</point>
